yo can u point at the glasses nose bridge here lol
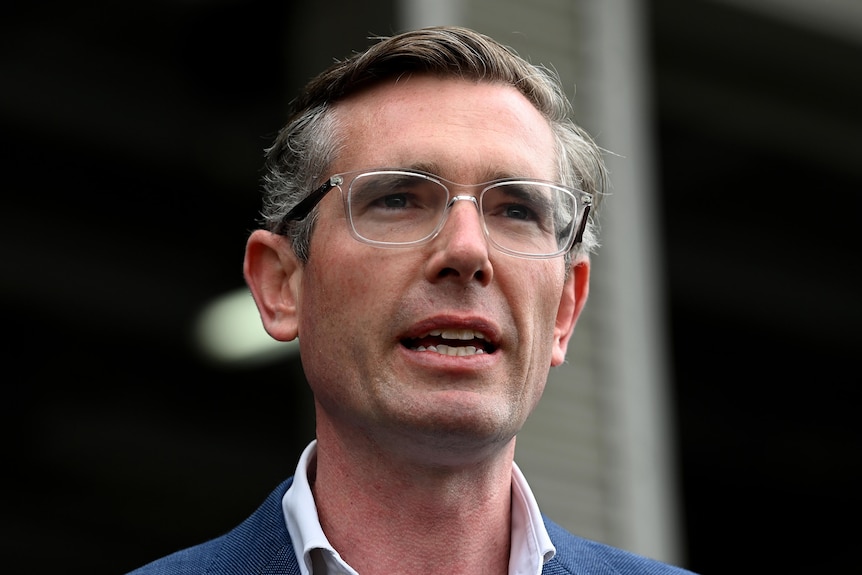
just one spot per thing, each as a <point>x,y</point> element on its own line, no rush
<point>454,197</point>
<point>452,190</point>
<point>462,197</point>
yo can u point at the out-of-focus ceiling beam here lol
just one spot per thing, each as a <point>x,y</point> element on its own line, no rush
<point>835,17</point>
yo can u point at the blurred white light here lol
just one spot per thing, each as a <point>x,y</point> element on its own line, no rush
<point>229,330</point>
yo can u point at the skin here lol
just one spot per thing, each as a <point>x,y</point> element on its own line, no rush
<point>408,441</point>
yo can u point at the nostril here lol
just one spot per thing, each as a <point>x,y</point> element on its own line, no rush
<point>479,275</point>
<point>448,272</point>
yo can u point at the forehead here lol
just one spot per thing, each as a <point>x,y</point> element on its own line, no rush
<point>469,129</point>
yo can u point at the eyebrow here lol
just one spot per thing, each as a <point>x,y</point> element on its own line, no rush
<point>490,175</point>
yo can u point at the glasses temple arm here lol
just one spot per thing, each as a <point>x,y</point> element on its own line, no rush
<point>580,235</point>
<point>301,210</point>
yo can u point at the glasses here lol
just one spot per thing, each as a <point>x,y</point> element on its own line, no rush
<point>402,208</point>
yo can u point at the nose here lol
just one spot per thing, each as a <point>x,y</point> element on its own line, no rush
<point>460,252</point>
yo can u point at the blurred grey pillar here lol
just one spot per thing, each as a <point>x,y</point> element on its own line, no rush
<point>598,450</point>
<point>629,283</point>
<point>419,13</point>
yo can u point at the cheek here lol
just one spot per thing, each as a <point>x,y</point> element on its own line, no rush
<point>341,284</point>
<point>326,324</point>
<point>542,289</point>
<point>544,292</point>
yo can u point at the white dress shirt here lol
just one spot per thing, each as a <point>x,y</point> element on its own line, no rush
<point>531,546</point>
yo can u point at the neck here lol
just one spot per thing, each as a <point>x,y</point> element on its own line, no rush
<point>387,514</point>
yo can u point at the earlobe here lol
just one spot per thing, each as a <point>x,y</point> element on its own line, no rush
<point>273,274</point>
<point>572,302</point>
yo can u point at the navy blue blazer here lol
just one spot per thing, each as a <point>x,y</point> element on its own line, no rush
<point>261,545</point>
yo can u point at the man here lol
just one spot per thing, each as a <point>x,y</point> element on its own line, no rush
<point>427,237</point>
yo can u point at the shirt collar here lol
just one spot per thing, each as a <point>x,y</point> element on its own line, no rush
<point>531,545</point>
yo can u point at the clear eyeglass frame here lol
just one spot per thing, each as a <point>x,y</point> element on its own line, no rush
<point>581,203</point>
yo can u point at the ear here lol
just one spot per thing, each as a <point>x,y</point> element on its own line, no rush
<point>572,302</point>
<point>274,273</point>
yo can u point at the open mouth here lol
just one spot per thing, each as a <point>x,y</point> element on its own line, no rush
<point>455,342</point>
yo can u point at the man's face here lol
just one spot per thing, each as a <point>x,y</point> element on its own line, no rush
<point>363,310</point>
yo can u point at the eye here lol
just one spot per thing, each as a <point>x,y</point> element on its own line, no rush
<point>394,201</point>
<point>390,192</point>
<point>518,212</point>
<point>517,202</point>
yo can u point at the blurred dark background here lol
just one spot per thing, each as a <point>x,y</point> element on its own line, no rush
<point>133,137</point>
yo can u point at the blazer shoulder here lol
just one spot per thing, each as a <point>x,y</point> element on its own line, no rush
<point>579,556</point>
<point>260,544</point>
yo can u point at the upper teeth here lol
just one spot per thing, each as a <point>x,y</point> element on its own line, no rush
<point>454,334</point>
<point>464,334</point>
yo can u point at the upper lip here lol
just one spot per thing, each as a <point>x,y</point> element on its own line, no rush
<point>455,333</point>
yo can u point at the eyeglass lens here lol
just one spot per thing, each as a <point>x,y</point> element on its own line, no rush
<point>519,216</point>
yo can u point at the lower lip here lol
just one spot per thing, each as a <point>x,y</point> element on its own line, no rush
<point>450,363</point>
